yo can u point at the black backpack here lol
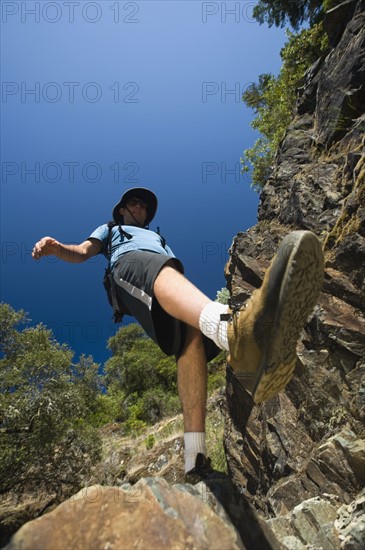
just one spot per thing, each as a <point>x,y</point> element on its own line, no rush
<point>119,309</point>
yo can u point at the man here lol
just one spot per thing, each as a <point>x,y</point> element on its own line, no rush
<point>261,337</point>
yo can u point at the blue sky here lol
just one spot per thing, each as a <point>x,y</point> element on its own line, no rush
<point>98,97</point>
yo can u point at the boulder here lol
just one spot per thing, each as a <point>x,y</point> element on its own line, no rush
<point>150,514</point>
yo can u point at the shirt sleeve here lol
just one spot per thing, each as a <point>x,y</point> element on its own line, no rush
<point>169,251</point>
<point>101,233</point>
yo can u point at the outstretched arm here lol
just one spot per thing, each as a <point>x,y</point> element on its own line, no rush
<point>74,253</point>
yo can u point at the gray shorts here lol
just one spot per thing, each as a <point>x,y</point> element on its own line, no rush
<point>135,274</point>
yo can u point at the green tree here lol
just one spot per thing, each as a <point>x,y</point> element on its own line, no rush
<point>120,344</point>
<point>137,363</point>
<point>140,380</point>
<point>273,100</point>
<point>85,376</point>
<point>281,12</point>
<point>44,408</point>
<point>125,338</point>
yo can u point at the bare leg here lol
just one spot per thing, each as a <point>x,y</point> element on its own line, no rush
<point>182,300</point>
<point>179,297</point>
<point>192,381</point>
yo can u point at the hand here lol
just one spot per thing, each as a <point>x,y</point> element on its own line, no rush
<point>45,247</point>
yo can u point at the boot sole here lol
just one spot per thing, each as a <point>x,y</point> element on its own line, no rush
<point>295,281</point>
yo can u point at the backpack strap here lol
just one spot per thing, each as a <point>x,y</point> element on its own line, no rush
<point>128,236</point>
<point>163,240</point>
<point>108,281</point>
<point>110,232</point>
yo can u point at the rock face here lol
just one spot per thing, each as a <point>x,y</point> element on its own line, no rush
<point>150,514</point>
<point>301,456</point>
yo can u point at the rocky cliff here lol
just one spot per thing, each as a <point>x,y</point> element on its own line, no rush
<point>296,465</point>
<point>303,453</point>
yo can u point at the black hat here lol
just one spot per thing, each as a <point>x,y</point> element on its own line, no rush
<point>140,193</point>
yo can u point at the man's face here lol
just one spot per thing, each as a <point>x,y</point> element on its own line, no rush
<point>135,210</point>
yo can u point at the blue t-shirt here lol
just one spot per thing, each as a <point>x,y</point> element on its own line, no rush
<point>142,239</point>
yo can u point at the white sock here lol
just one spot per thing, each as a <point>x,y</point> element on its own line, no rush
<point>212,326</point>
<point>194,444</point>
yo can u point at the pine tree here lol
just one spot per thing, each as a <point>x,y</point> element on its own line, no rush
<point>282,12</point>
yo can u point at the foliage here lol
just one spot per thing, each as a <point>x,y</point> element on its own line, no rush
<point>45,403</point>
<point>222,296</point>
<point>51,407</point>
<point>142,378</point>
<point>108,408</point>
<point>215,436</point>
<point>134,424</point>
<point>150,441</point>
<point>138,364</point>
<point>281,12</point>
<point>273,100</point>
<point>125,338</point>
<point>217,372</point>
<point>119,345</point>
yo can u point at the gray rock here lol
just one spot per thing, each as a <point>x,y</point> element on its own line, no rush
<point>150,514</point>
<point>341,90</point>
<point>350,523</point>
<point>336,19</point>
<point>308,525</point>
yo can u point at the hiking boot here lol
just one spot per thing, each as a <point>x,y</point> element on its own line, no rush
<point>202,471</point>
<point>263,334</point>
